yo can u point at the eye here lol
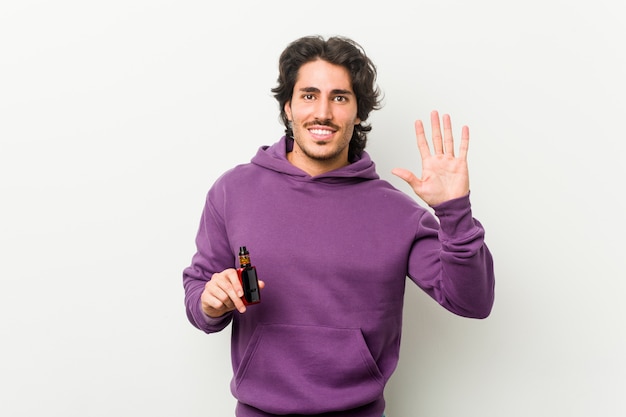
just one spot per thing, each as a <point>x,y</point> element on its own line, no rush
<point>308,97</point>
<point>341,99</point>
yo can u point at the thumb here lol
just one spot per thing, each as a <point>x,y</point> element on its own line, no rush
<point>406,175</point>
<point>410,178</point>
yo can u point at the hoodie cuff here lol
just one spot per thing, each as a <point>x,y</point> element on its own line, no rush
<point>216,321</point>
<point>455,218</point>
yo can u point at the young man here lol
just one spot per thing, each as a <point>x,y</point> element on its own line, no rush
<point>332,244</point>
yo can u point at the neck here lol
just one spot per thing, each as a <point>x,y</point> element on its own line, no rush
<point>314,167</point>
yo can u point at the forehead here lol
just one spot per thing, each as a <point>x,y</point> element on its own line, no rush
<point>324,76</point>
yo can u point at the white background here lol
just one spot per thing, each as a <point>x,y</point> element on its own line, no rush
<point>117,116</point>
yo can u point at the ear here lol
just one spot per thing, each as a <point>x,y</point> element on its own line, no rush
<point>287,109</point>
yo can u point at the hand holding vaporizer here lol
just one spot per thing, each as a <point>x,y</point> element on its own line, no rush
<point>248,278</point>
<point>232,289</point>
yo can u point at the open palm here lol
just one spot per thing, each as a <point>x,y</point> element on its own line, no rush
<point>444,175</point>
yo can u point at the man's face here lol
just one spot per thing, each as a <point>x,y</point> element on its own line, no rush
<point>323,111</point>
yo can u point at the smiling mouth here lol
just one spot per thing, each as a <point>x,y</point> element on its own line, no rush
<point>321,132</point>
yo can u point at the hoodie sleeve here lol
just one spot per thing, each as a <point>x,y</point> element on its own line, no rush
<point>212,255</point>
<point>450,261</point>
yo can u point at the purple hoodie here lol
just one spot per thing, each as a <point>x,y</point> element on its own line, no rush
<point>334,251</point>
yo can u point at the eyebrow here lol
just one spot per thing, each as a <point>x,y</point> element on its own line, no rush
<point>337,91</point>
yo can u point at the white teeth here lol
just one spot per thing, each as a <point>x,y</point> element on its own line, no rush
<point>321,132</point>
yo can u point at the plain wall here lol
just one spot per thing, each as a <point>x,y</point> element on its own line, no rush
<point>117,116</point>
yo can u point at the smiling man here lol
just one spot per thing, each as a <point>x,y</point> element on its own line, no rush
<point>333,245</point>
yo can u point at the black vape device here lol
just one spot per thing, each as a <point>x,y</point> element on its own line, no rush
<point>248,278</point>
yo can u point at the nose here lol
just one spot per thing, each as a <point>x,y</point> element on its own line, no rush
<point>323,110</point>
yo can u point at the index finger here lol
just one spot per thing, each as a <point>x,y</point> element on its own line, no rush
<point>238,291</point>
<point>422,143</point>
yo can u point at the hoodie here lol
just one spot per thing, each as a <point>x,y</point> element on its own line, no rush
<point>335,251</point>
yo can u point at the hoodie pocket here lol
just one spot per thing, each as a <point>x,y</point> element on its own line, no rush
<point>292,369</point>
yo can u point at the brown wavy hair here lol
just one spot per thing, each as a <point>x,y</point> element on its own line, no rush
<point>337,50</point>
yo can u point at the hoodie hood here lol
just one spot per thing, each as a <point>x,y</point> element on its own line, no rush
<point>274,158</point>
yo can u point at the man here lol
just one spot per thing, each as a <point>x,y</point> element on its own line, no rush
<point>332,244</point>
